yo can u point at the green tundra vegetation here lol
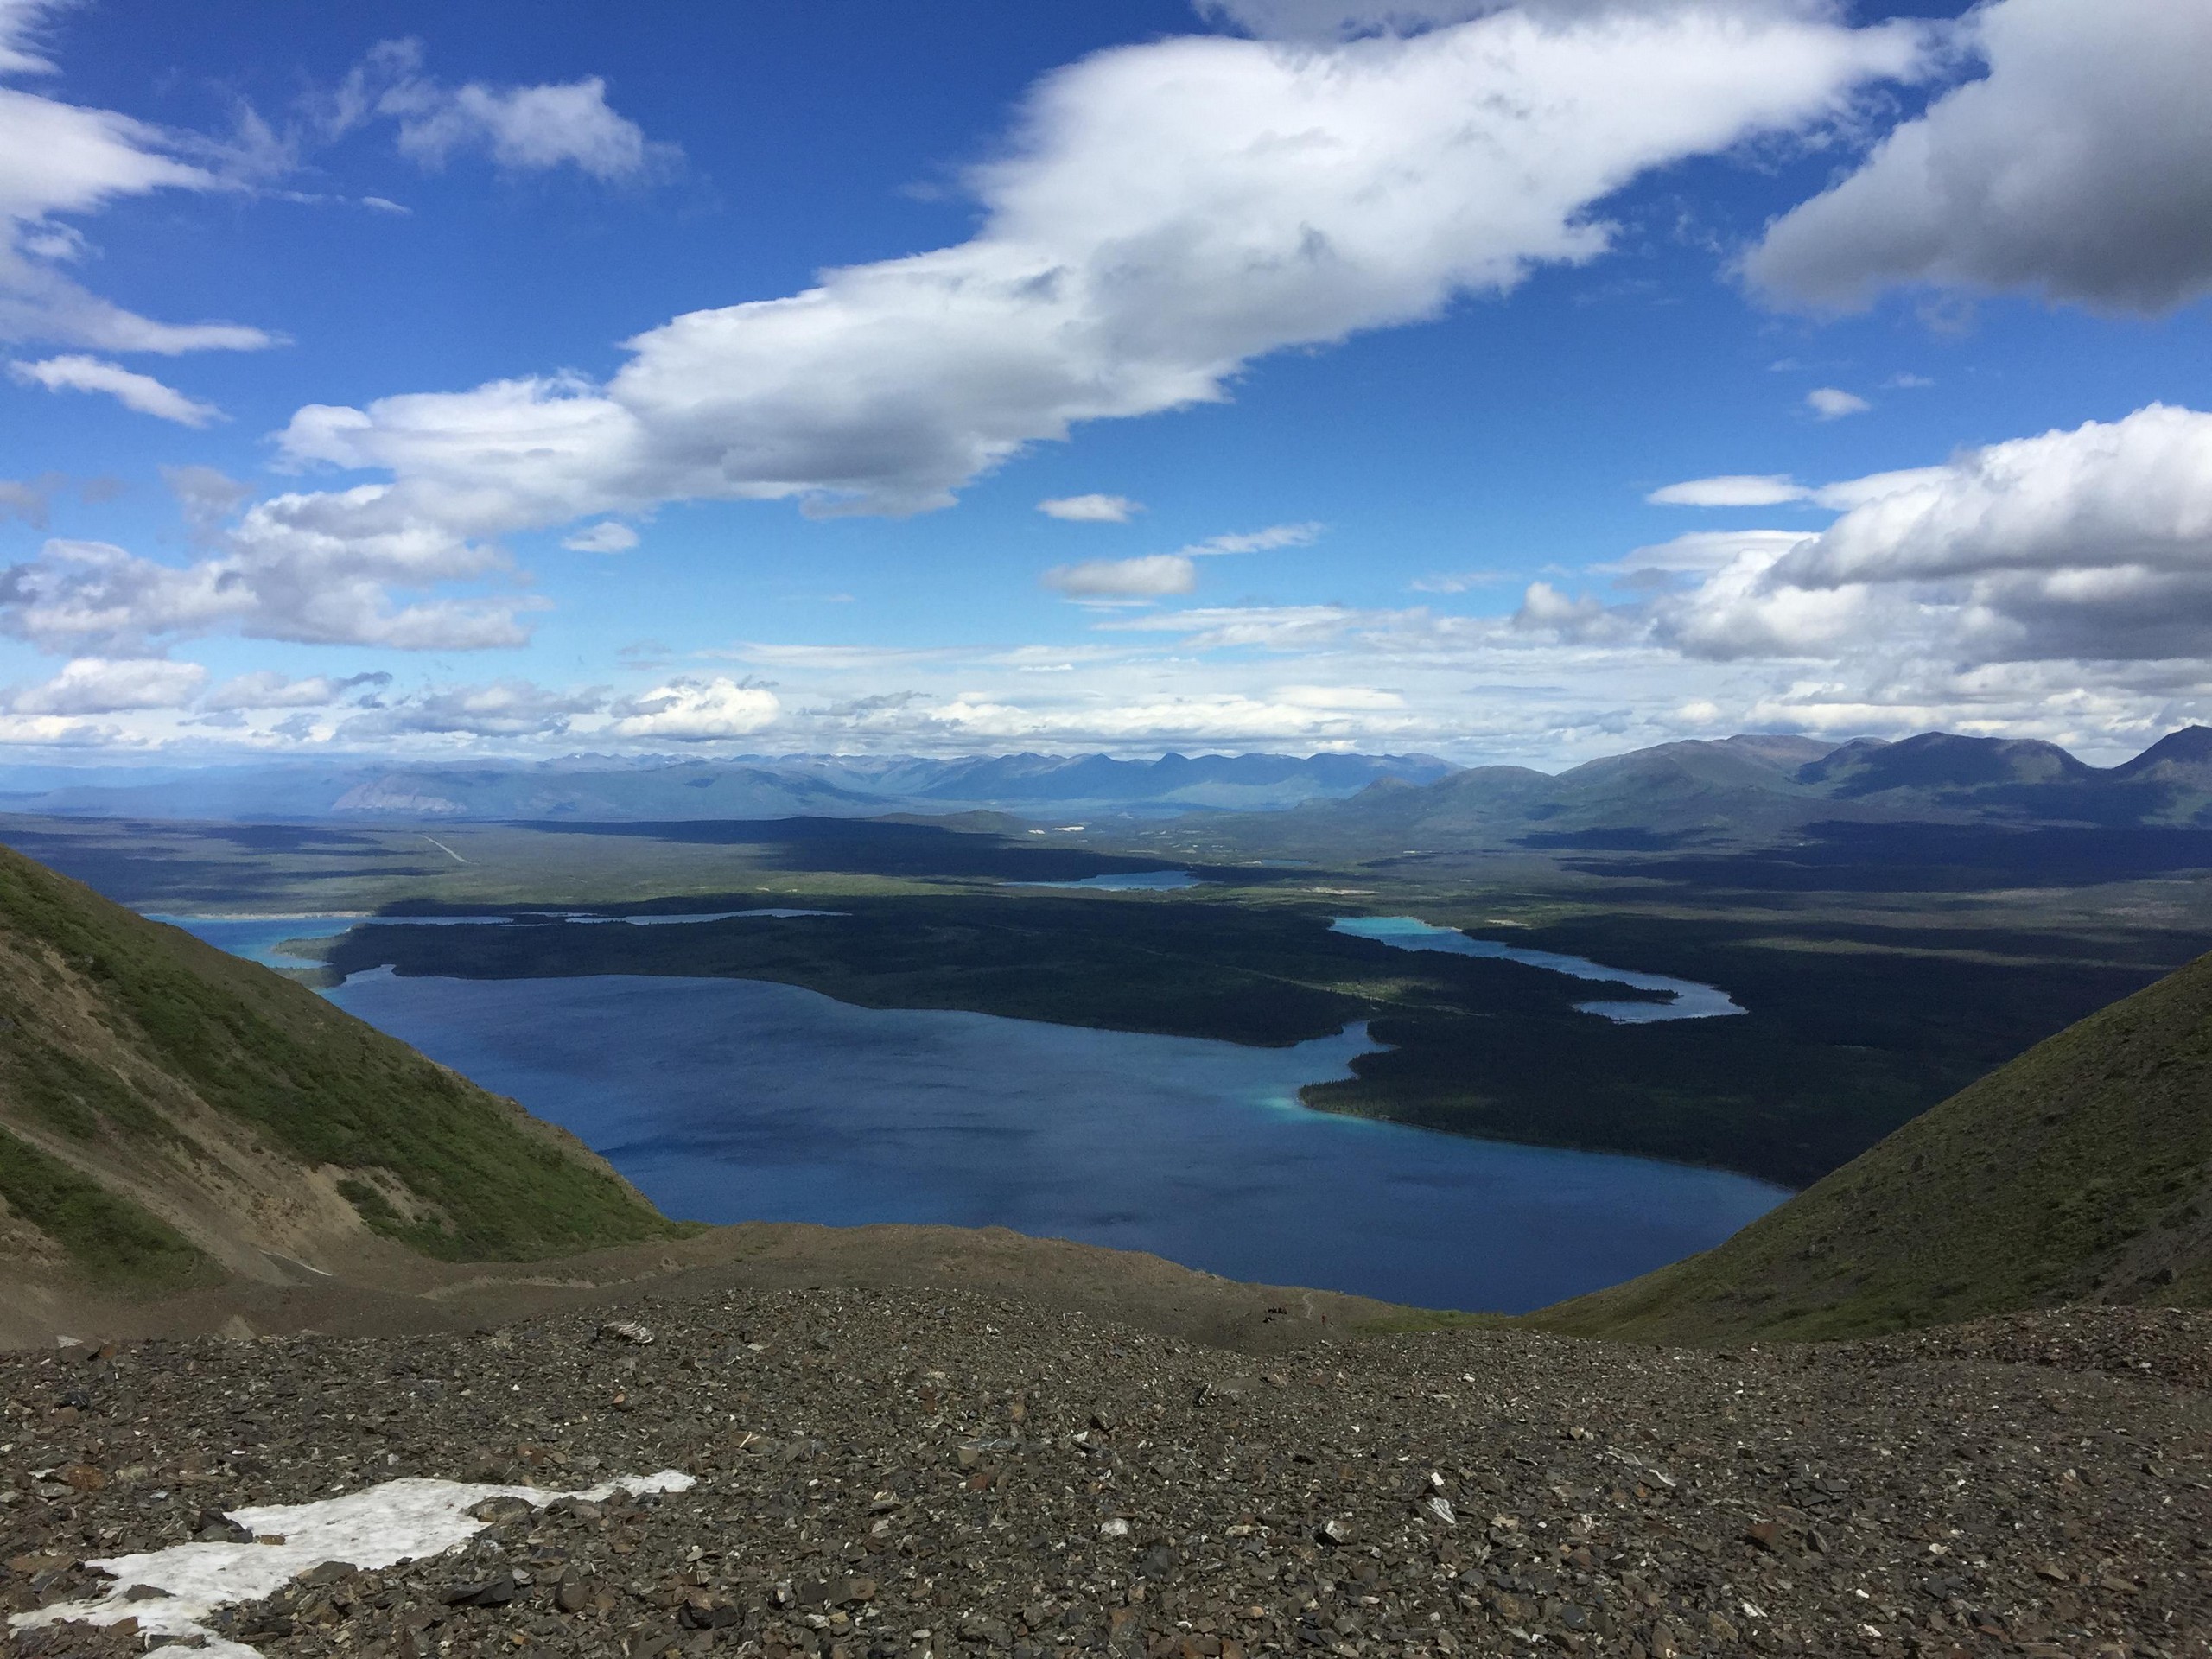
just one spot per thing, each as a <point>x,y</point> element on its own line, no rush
<point>2077,1171</point>
<point>118,1035</point>
<point>1881,975</point>
<point>114,1243</point>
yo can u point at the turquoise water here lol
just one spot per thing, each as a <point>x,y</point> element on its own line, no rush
<point>1141,881</point>
<point>1691,1000</point>
<point>729,1100</point>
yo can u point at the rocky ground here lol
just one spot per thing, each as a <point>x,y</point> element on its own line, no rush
<point>905,1474</point>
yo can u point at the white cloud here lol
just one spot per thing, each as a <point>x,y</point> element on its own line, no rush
<point>139,392</point>
<point>1338,696</point>
<point>266,689</point>
<point>1257,541</point>
<point>2080,167</point>
<point>1229,719</point>
<point>21,23</point>
<point>1829,403</point>
<point>1333,20</point>
<point>1160,576</point>
<point>1704,550</point>
<point>1265,627</point>
<point>2092,545</point>
<point>2131,496</point>
<point>521,128</point>
<point>320,569</point>
<point>96,685</point>
<point>1165,212</point>
<point>1458,582</point>
<point>1156,575</point>
<point>693,710</point>
<point>835,658</point>
<point>608,535</point>
<point>1339,20</point>
<point>62,159</point>
<point>1732,490</point>
<point>1091,509</point>
<point>503,709</point>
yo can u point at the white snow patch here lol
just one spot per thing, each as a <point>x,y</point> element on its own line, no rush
<point>400,1520</point>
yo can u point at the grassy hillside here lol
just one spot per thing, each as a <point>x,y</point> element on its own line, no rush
<point>157,1097</point>
<point>2078,1172</point>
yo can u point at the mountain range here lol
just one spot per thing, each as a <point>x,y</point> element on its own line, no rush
<point>607,788</point>
<point>1749,790</point>
<point>1740,791</point>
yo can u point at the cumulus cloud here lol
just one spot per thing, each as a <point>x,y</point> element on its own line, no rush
<point>266,689</point>
<point>96,685</point>
<point>1831,404</point>
<point>316,569</point>
<point>2092,545</point>
<point>2136,491</point>
<point>503,709</point>
<point>64,159</point>
<point>608,535</point>
<point>139,392</point>
<point>1156,575</point>
<point>1160,575</point>
<point>1165,213</point>
<point>521,128</point>
<point>2079,168</point>
<point>689,710</point>
<point>1091,509</point>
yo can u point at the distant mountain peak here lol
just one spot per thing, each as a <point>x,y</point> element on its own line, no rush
<point>1942,761</point>
<point>2189,746</point>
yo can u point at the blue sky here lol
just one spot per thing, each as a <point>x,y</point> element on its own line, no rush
<point>442,381</point>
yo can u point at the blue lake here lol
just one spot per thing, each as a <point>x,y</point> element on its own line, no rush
<point>256,937</point>
<point>1135,882</point>
<point>1687,999</point>
<point>731,1099</point>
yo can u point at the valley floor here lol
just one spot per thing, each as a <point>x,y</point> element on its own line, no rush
<point>1877,985</point>
<point>883,1473</point>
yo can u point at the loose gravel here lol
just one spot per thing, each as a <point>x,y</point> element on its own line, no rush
<point>913,1475</point>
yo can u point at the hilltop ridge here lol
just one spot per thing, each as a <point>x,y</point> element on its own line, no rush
<point>2080,1172</point>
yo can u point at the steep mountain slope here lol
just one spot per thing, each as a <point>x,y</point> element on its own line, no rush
<point>170,1114</point>
<point>2081,1171</point>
